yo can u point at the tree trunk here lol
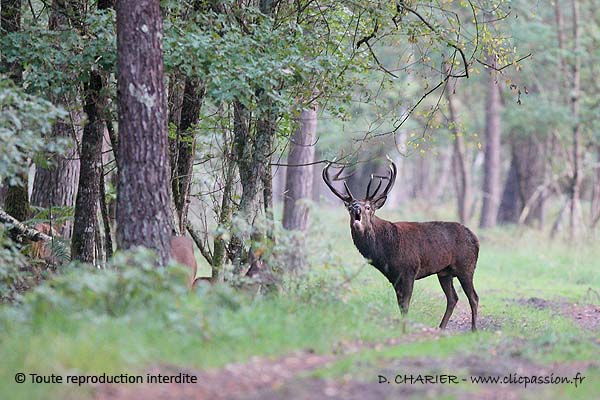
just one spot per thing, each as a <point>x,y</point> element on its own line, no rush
<point>57,184</point>
<point>16,200</point>
<point>193,95</point>
<point>85,224</point>
<point>575,189</point>
<point>491,178</point>
<point>462,174</point>
<point>299,179</point>
<point>595,203</point>
<point>88,192</point>
<point>219,248</point>
<point>143,195</point>
<point>511,204</point>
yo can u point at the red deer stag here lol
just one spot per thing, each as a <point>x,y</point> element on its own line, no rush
<point>406,251</point>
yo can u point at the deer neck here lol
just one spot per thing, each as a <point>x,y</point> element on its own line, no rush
<point>368,241</point>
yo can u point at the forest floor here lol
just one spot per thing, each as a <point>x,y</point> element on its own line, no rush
<point>306,375</point>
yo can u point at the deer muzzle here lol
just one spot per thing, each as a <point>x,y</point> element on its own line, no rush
<point>356,216</point>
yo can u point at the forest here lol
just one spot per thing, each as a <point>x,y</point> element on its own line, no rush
<point>199,199</point>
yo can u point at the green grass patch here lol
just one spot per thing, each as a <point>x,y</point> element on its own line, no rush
<point>97,323</point>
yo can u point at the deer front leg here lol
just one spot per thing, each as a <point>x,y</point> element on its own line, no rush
<point>404,289</point>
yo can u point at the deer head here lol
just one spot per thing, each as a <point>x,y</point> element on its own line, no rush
<point>362,211</point>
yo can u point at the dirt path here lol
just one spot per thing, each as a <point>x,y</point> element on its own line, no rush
<point>585,315</point>
<point>289,377</point>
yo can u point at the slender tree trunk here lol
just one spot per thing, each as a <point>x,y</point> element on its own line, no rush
<point>462,173</point>
<point>299,179</point>
<point>595,203</point>
<point>143,195</point>
<point>105,217</point>
<point>193,95</point>
<point>219,248</point>
<point>88,193</point>
<point>574,210</point>
<point>85,223</point>
<point>491,179</point>
<point>511,203</point>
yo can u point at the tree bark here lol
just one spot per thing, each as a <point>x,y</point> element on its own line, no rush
<point>511,203</point>
<point>491,178</point>
<point>16,201</point>
<point>85,225</point>
<point>193,96</point>
<point>575,189</point>
<point>57,184</point>
<point>219,248</point>
<point>17,228</point>
<point>88,193</point>
<point>143,197</point>
<point>299,176</point>
<point>462,173</point>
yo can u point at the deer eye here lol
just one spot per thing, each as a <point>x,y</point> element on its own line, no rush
<point>368,208</point>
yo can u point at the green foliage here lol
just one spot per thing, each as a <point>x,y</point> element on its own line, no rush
<point>55,63</point>
<point>25,120</point>
<point>14,277</point>
<point>129,285</point>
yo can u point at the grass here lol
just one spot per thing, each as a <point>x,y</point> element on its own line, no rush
<point>224,327</point>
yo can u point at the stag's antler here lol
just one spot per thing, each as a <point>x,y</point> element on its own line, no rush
<point>391,179</point>
<point>348,198</point>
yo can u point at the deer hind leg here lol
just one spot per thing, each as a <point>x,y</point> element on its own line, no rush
<point>445,279</point>
<point>466,281</point>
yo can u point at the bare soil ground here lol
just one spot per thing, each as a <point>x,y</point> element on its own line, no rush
<point>585,315</point>
<point>289,377</point>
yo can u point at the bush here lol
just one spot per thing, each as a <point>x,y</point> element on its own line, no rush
<point>14,274</point>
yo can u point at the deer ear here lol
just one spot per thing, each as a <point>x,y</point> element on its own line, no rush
<point>377,204</point>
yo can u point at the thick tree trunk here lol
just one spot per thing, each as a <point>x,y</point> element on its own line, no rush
<point>491,178</point>
<point>299,175</point>
<point>143,195</point>
<point>525,177</point>
<point>299,185</point>
<point>57,184</point>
